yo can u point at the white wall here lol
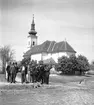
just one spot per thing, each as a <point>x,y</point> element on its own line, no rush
<point>69,53</point>
<point>28,42</point>
<point>36,57</point>
<point>34,40</point>
<point>45,56</point>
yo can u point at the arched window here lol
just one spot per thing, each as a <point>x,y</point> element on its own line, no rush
<point>33,43</point>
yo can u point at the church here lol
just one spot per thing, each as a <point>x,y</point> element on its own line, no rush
<point>48,49</point>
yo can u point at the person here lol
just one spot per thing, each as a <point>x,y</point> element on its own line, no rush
<point>30,69</point>
<point>12,73</point>
<point>8,71</point>
<point>28,73</point>
<point>47,73</point>
<point>33,73</point>
<point>26,68</point>
<point>41,73</point>
<point>16,69</point>
<point>23,73</point>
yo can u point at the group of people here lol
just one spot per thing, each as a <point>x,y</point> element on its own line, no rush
<point>35,72</point>
<point>12,70</point>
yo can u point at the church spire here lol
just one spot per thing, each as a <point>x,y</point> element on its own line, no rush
<point>33,24</point>
<point>32,31</point>
<point>33,20</point>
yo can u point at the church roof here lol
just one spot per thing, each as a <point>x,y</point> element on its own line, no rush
<point>50,47</point>
<point>38,49</point>
<point>62,47</point>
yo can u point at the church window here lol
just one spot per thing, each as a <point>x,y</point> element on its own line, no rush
<point>33,43</point>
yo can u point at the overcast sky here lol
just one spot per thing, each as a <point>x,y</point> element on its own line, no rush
<point>54,19</point>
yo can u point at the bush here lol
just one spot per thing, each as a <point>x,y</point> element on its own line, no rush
<point>69,65</point>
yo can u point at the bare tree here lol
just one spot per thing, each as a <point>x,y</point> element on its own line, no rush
<point>6,55</point>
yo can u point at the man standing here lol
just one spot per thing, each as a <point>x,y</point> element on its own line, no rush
<point>41,72</point>
<point>16,69</point>
<point>8,72</point>
<point>23,73</point>
<point>26,72</point>
<point>33,73</point>
<point>12,72</point>
<point>47,73</point>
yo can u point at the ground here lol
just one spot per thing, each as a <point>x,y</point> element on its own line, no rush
<point>62,90</point>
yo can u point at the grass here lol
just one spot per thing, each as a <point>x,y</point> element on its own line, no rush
<point>61,91</point>
<point>67,79</point>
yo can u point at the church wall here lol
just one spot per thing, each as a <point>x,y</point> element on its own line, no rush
<point>70,53</point>
<point>46,56</point>
<point>62,54</point>
<point>36,57</point>
<point>49,55</point>
<point>58,55</point>
<point>55,56</point>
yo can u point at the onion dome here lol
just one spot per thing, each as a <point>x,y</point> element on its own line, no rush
<point>32,31</point>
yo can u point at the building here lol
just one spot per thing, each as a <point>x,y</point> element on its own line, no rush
<point>46,50</point>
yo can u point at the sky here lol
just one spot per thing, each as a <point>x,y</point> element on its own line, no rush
<point>54,20</point>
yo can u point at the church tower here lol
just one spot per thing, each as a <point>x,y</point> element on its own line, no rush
<point>32,38</point>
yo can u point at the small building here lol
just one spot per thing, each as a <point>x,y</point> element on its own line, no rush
<point>48,49</point>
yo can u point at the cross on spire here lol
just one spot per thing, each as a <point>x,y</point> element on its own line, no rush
<point>33,20</point>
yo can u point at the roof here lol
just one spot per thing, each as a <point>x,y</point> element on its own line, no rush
<point>38,49</point>
<point>50,47</point>
<point>62,47</point>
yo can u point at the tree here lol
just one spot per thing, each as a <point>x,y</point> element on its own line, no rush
<point>92,65</point>
<point>83,64</point>
<point>25,61</point>
<point>73,61</point>
<point>6,55</point>
<point>68,65</point>
<point>64,65</point>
